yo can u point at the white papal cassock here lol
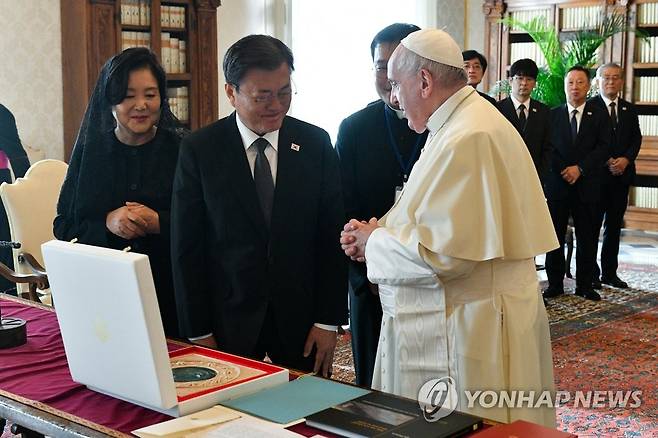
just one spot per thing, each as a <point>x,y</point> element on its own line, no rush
<point>454,264</point>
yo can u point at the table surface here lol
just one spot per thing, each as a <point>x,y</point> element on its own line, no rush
<point>37,392</point>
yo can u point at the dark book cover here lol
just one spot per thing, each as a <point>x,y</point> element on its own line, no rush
<point>523,429</point>
<point>384,415</point>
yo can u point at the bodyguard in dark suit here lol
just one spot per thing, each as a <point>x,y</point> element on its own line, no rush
<point>531,117</point>
<point>377,151</point>
<point>619,171</point>
<point>475,66</point>
<point>11,147</point>
<point>257,208</point>
<point>580,136</point>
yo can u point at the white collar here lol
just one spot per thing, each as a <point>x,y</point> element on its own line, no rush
<point>517,103</point>
<point>580,109</point>
<point>249,137</point>
<point>608,101</point>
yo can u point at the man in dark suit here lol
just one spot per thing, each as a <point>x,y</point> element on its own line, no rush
<point>619,170</point>
<point>256,211</point>
<point>475,66</point>
<point>377,151</point>
<point>531,117</point>
<point>580,137</point>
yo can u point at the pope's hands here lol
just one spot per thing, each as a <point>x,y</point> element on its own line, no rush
<point>125,223</point>
<point>354,237</point>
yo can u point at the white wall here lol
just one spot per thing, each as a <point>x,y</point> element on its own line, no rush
<point>31,71</point>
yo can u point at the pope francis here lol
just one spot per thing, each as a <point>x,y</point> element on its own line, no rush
<point>454,256</point>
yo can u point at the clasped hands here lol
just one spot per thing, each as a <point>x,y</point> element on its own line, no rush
<point>133,220</point>
<point>570,174</point>
<point>354,237</point>
<point>617,166</point>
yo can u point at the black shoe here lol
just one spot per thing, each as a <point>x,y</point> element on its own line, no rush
<point>596,284</point>
<point>588,294</point>
<point>552,292</point>
<point>615,282</point>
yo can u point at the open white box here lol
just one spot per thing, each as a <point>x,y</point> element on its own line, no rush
<point>113,337</point>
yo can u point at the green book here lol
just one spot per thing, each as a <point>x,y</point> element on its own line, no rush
<point>296,399</point>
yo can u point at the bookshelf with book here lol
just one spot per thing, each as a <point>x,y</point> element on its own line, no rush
<point>640,61</point>
<point>642,89</point>
<point>182,33</point>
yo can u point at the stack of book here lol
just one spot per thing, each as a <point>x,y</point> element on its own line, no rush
<point>179,102</point>
<point>172,17</point>
<point>581,17</point>
<point>174,54</point>
<point>136,12</point>
<point>135,39</point>
<point>647,14</point>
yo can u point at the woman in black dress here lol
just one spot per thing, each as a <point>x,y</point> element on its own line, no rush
<point>117,191</point>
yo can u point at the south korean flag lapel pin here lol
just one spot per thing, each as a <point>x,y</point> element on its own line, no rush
<point>295,147</point>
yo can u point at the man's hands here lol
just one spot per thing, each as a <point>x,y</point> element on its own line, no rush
<point>354,237</point>
<point>325,344</point>
<point>571,174</point>
<point>617,166</point>
<point>132,221</point>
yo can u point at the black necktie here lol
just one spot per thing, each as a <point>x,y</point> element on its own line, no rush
<point>574,125</point>
<point>522,118</point>
<point>263,179</point>
<point>613,115</point>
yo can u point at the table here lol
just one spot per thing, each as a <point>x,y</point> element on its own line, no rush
<point>37,392</point>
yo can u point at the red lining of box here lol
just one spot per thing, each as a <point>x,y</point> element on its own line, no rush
<point>261,366</point>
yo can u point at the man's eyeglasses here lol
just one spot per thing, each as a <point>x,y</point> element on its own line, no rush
<point>266,98</point>
<point>523,79</point>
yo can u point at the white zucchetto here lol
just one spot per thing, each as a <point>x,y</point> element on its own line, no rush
<point>436,45</point>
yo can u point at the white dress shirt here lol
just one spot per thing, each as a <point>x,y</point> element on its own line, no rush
<point>516,106</point>
<point>579,116</point>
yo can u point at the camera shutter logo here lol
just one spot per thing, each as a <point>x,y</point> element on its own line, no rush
<point>438,398</point>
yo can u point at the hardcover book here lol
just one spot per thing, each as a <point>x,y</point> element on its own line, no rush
<point>523,429</point>
<point>384,415</point>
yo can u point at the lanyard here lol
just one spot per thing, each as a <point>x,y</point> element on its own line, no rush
<point>406,169</point>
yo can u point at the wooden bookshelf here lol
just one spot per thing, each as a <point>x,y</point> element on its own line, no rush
<point>92,33</point>
<point>622,48</point>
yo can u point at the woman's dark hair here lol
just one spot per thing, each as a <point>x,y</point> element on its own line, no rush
<point>255,52</point>
<point>120,67</point>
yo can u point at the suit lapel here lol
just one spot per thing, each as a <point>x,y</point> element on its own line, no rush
<point>241,179</point>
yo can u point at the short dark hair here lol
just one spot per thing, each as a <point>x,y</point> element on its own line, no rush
<point>255,52</point>
<point>524,67</point>
<point>580,68</point>
<point>393,33</point>
<point>120,67</point>
<point>472,54</point>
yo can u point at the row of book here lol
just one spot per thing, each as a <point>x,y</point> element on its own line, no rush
<point>648,125</point>
<point>527,50</point>
<point>174,54</point>
<point>644,197</point>
<point>172,16</point>
<point>136,12</point>
<point>582,17</point>
<point>135,39</point>
<point>526,16</point>
<point>646,50</point>
<point>178,98</point>
<point>647,13</point>
<point>646,89</point>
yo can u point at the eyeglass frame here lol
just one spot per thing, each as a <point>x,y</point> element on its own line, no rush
<point>268,97</point>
